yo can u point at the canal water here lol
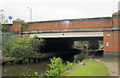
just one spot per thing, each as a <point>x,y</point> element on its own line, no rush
<point>23,69</point>
<point>40,66</point>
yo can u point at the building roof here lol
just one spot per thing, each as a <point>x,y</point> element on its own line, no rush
<point>18,20</point>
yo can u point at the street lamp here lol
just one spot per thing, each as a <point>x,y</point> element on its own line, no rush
<point>30,14</point>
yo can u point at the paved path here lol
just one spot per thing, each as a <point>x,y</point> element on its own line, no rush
<point>113,67</point>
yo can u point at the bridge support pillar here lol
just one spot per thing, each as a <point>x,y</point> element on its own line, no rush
<point>111,45</point>
<point>112,40</point>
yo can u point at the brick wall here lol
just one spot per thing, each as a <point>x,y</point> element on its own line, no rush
<point>110,40</point>
<point>87,23</point>
<point>113,49</point>
<point>24,36</point>
<point>91,24</point>
<point>15,27</point>
<point>116,22</point>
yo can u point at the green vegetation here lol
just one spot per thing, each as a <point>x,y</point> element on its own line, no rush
<point>79,44</point>
<point>23,48</point>
<point>100,44</point>
<point>91,44</point>
<point>92,68</point>
<point>3,23</point>
<point>5,27</point>
<point>24,24</point>
<point>57,67</point>
<point>79,57</point>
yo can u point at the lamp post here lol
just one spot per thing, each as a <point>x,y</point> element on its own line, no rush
<point>30,14</point>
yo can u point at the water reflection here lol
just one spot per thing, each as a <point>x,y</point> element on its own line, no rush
<point>24,69</point>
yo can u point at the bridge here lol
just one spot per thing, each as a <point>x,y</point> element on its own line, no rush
<point>64,32</point>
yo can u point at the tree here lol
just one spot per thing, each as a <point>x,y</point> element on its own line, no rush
<point>3,23</point>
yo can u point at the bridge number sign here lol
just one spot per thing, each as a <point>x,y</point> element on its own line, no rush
<point>108,34</point>
<point>107,44</point>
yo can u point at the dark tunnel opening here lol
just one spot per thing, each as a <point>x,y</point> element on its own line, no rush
<point>63,44</point>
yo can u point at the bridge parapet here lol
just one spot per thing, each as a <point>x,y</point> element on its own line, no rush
<point>83,24</point>
<point>88,24</point>
<point>76,24</point>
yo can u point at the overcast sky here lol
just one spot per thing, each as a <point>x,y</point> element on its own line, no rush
<point>58,9</point>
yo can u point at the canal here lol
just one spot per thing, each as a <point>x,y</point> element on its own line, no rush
<point>22,69</point>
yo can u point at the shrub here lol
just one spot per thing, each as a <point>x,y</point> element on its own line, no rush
<point>57,67</point>
<point>21,48</point>
<point>24,24</point>
<point>69,65</point>
<point>5,27</point>
<point>79,57</point>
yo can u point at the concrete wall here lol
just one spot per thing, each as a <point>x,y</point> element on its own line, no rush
<point>68,34</point>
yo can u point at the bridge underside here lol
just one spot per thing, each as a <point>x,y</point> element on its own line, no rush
<point>68,35</point>
<point>64,41</point>
<point>64,44</point>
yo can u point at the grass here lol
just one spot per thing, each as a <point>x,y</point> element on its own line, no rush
<point>92,68</point>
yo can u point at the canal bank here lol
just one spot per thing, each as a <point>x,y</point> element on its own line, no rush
<point>90,68</point>
<point>101,68</point>
<point>47,55</point>
<point>40,66</point>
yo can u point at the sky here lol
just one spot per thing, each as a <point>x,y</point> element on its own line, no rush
<point>43,10</point>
